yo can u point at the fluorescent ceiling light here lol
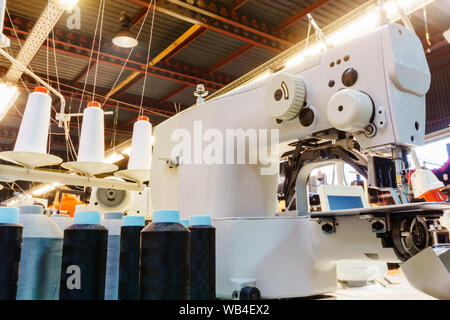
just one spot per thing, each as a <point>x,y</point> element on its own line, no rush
<point>8,94</point>
<point>126,151</point>
<point>447,35</point>
<point>68,4</point>
<point>45,189</point>
<point>114,157</point>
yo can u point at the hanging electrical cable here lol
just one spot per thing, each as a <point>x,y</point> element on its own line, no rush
<point>129,54</point>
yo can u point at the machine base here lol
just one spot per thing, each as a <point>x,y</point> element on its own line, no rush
<point>287,257</point>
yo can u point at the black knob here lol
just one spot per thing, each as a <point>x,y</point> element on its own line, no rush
<point>377,226</point>
<point>327,228</point>
<point>349,77</point>
<point>306,117</point>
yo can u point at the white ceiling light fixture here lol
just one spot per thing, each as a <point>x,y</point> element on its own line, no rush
<point>124,38</point>
<point>8,94</point>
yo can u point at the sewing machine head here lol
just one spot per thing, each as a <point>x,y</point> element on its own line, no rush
<point>363,97</point>
<point>372,88</point>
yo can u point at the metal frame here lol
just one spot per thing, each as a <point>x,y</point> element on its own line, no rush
<point>18,173</point>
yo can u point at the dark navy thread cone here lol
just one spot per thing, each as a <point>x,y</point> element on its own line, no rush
<point>130,240</point>
<point>10,249</point>
<point>165,258</point>
<point>83,268</point>
<point>203,258</point>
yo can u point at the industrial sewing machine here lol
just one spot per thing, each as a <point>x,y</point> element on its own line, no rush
<point>362,103</point>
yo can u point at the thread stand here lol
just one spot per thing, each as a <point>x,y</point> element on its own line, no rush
<point>30,160</point>
<point>136,175</point>
<point>89,168</point>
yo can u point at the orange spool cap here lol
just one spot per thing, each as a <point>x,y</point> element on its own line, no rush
<point>144,118</point>
<point>434,196</point>
<point>41,89</point>
<point>94,104</point>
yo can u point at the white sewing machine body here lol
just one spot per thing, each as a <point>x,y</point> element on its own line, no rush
<point>244,108</point>
<point>292,256</point>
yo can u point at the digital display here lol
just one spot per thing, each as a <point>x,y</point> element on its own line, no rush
<point>345,202</point>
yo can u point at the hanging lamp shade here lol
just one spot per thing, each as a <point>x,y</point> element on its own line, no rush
<point>124,38</point>
<point>91,151</point>
<point>30,149</point>
<point>140,160</point>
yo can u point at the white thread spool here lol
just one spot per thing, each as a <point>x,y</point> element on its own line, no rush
<point>30,149</point>
<point>141,145</point>
<point>91,152</point>
<point>92,139</point>
<point>33,132</point>
<point>140,160</point>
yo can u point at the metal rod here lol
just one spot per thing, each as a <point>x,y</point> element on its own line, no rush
<point>81,114</point>
<point>12,173</point>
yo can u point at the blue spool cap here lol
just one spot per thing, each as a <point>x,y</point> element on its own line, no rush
<point>31,209</point>
<point>166,216</point>
<point>87,217</point>
<point>133,221</point>
<point>113,215</point>
<point>9,215</point>
<point>184,222</point>
<point>200,221</point>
